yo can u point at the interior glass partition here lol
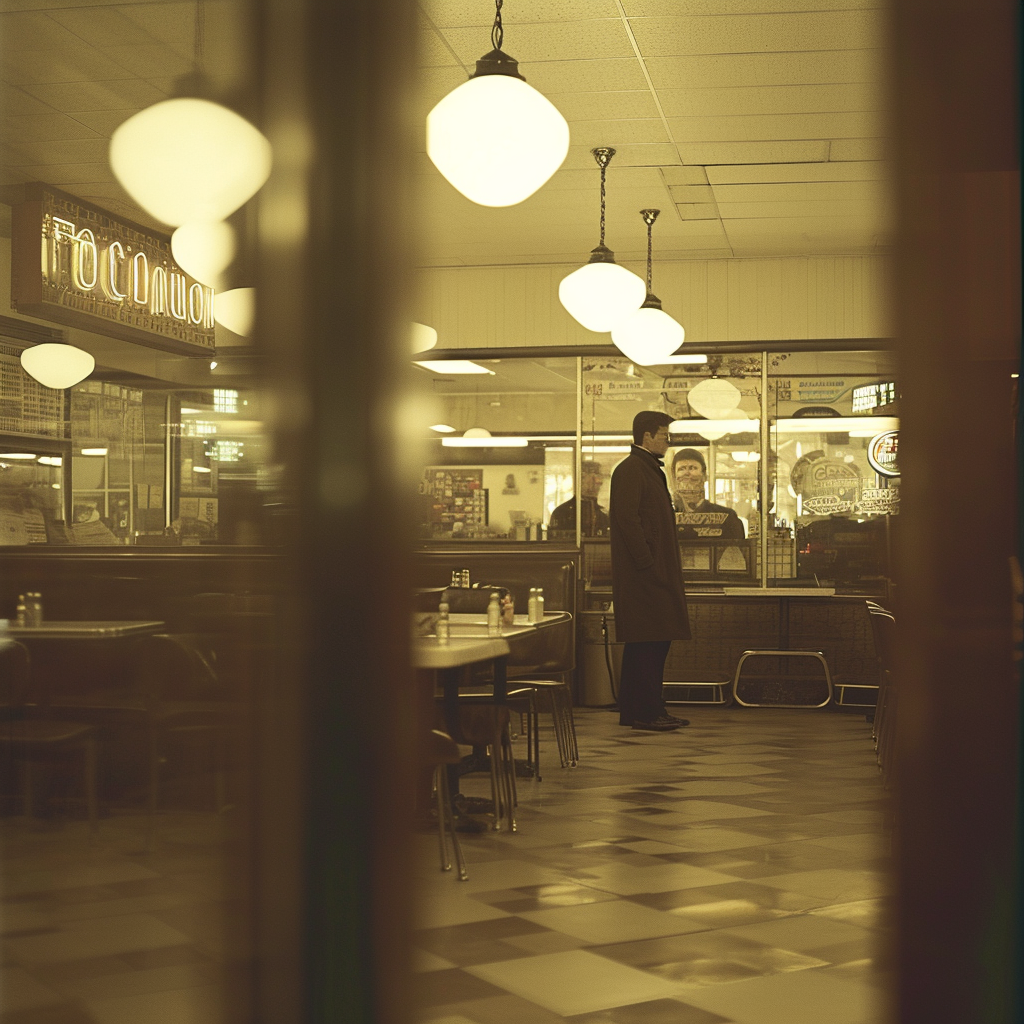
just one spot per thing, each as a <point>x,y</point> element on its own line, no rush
<point>500,456</point>
<point>834,470</point>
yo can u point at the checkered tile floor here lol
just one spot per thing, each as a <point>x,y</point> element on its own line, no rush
<point>733,872</point>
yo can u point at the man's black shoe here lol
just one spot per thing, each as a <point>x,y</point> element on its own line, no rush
<point>658,725</point>
<point>674,718</point>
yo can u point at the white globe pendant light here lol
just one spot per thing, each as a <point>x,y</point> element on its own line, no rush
<point>714,398</point>
<point>189,159</point>
<point>204,249</point>
<point>649,335</point>
<point>495,138</point>
<point>57,366</point>
<point>421,338</point>
<point>601,294</point>
<point>236,310</point>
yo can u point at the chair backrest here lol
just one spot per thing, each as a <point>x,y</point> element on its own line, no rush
<point>173,667</point>
<point>883,625</point>
<point>14,673</point>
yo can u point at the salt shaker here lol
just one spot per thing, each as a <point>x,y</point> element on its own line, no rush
<point>494,615</point>
<point>443,626</point>
<point>531,606</point>
<point>20,618</point>
<point>538,606</point>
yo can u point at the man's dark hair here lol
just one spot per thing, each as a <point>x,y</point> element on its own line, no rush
<point>648,422</point>
<point>689,455</point>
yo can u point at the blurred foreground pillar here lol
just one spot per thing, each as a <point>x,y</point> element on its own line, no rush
<point>334,775</point>
<point>957,294</point>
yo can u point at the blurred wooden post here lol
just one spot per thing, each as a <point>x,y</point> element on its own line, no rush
<point>957,299</point>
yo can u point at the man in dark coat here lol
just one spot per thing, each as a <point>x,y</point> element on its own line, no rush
<point>647,575</point>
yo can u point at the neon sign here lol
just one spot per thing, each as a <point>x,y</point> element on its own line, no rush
<point>81,266</point>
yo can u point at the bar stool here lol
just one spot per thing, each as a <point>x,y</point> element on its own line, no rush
<point>29,740</point>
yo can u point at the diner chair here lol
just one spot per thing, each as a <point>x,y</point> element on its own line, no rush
<point>520,701</point>
<point>555,697</point>
<point>439,751</point>
<point>30,740</point>
<point>486,726</point>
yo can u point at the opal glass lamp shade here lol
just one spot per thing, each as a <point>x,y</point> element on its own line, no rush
<point>714,398</point>
<point>422,338</point>
<point>600,295</point>
<point>648,336</point>
<point>57,366</point>
<point>204,249</point>
<point>188,160</point>
<point>236,310</point>
<point>496,139</point>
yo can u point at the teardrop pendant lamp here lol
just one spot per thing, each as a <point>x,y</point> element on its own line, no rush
<point>57,365</point>
<point>649,335</point>
<point>601,293</point>
<point>188,158</point>
<point>495,138</point>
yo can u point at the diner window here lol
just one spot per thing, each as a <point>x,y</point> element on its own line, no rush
<point>834,471</point>
<point>711,465</point>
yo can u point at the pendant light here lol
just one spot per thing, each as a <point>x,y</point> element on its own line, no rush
<point>495,138</point>
<point>649,335</point>
<point>714,398</point>
<point>56,365</point>
<point>205,250</point>
<point>601,294</point>
<point>236,310</point>
<point>190,159</point>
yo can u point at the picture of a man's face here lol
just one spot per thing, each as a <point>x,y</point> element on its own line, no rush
<point>689,477</point>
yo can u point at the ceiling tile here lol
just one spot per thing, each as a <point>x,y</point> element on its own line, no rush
<point>72,64</point>
<point>98,26</point>
<point>66,174</point>
<point>32,31</point>
<point>431,52</point>
<point>562,76</point>
<point>697,211</point>
<point>782,192</point>
<point>78,151</point>
<point>758,33</point>
<point>458,13</point>
<point>692,193</point>
<point>15,100</point>
<point>774,127</point>
<point>104,121</point>
<point>761,69</point>
<point>147,61</point>
<point>618,133</point>
<point>44,128</point>
<point>756,173</point>
<point>684,176</point>
<point>580,40</point>
<point>693,8</point>
<point>116,95</point>
<point>866,209</point>
<point>600,106</point>
<point>753,152</point>
<point>859,149</point>
<point>771,99</point>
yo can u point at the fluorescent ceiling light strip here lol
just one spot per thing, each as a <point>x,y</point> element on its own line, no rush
<point>863,426</point>
<point>484,442</point>
<point>447,366</point>
<point>743,426</point>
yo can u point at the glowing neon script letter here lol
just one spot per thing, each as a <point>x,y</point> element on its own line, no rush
<point>140,277</point>
<point>84,260</point>
<point>111,259</point>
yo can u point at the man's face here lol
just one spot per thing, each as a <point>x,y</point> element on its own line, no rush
<point>657,444</point>
<point>591,483</point>
<point>689,476</point>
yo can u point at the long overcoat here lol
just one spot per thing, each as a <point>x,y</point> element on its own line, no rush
<point>647,574</point>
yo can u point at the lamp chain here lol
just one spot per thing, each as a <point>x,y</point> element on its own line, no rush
<point>604,171</point>
<point>199,39</point>
<point>497,32</point>
<point>649,216</point>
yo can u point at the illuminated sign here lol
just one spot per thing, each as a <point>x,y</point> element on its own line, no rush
<point>81,266</point>
<point>871,396</point>
<point>883,453</point>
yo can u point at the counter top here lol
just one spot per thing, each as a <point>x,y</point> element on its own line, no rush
<point>73,630</point>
